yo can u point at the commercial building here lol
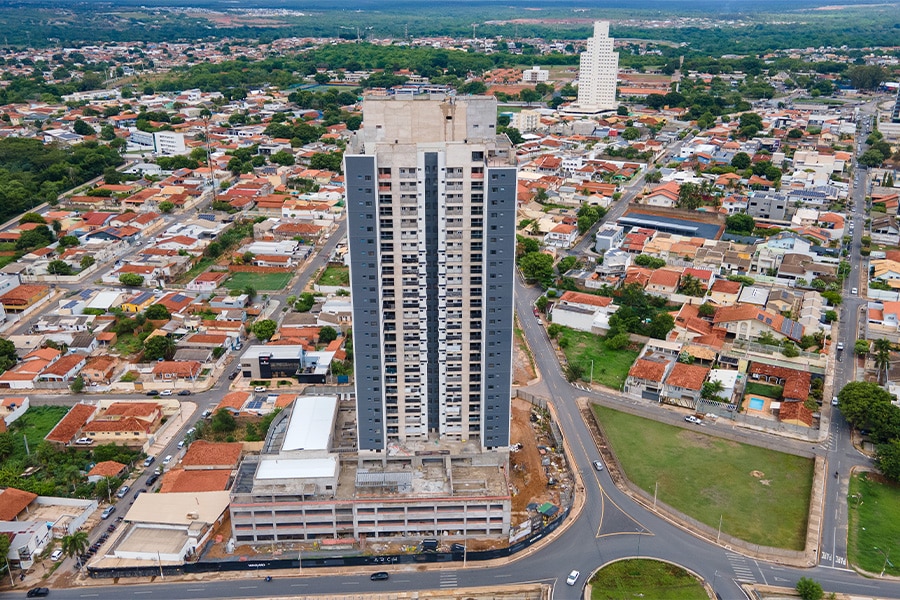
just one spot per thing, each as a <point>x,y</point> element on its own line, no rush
<point>431,197</point>
<point>266,362</point>
<point>597,73</point>
<point>300,488</point>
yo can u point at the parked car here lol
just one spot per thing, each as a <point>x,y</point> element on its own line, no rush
<point>840,346</point>
<point>693,419</point>
<point>148,461</point>
<point>233,375</point>
<point>167,459</point>
<point>572,578</point>
<point>834,400</point>
<point>122,491</point>
<point>57,554</point>
<point>152,393</point>
<point>85,441</point>
<point>379,576</point>
<point>206,413</point>
<point>37,592</point>
<point>107,512</point>
<point>181,444</point>
<point>190,431</point>
<point>854,291</point>
<point>152,479</point>
<point>260,388</point>
<point>184,393</point>
<point>598,465</point>
<point>166,393</point>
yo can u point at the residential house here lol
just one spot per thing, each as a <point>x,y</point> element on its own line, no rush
<point>885,230</point>
<point>663,282</point>
<point>106,469</point>
<point>724,292</point>
<point>748,322</point>
<point>584,312</point>
<point>645,378</point>
<point>207,282</point>
<point>684,384</point>
<point>561,236</point>
<point>608,238</point>
<point>99,370</point>
<point>69,427</point>
<point>665,195</point>
<point>65,369</point>
<point>170,371</point>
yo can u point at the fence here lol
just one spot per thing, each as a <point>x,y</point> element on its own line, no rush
<point>334,561</point>
<point>252,269</point>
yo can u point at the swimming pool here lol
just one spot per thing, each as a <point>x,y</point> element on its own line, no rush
<point>756,403</point>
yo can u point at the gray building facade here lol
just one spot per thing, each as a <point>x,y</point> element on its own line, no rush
<point>431,201</point>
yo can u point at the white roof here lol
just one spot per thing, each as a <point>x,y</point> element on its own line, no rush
<point>295,468</point>
<point>179,508</point>
<point>104,299</point>
<point>312,421</point>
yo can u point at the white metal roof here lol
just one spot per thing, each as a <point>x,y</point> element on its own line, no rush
<point>312,421</point>
<point>296,468</point>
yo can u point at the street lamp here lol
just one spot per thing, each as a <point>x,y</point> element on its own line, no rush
<point>887,560</point>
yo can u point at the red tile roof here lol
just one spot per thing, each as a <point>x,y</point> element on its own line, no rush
<point>220,454</point>
<point>795,411</point>
<point>181,480</point>
<point>13,501</point>
<point>71,424</point>
<point>649,370</point>
<point>107,468</point>
<point>795,383</point>
<point>689,377</point>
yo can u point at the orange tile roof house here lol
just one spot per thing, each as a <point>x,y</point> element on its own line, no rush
<point>69,427</point>
<point>107,468</point>
<point>795,413</point>
<point>684,383</point>
<point>645,378</point>
<point>233,401</point>
<point>183,480</point>
<point>663,282</point>
<point>99,369</point>
<point>795,383</point>
<point>172,370</point>
<point>205,455</point>
<point>748,321</point>
<point>65,369</point>
<point>13,501</point>
<point>23,297</point>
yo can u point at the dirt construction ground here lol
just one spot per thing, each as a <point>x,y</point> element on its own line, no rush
<point>528,477</point>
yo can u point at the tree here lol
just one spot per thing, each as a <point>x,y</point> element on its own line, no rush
<point>305,302</point>
<point>541,303</point>
<point>59,267</point>
<point>223,421</point>
<point>706,310</point>
<point>38,237</point>
<point>882,358</point>
<point>631,133</point>
<point>82,128</point>
<point>871,158</point>
<point>157,312</point>
<point>620,341</point>
<point>159,347</point>
<point>537,266</point>
<point>250,291</point>
<point>741,161</point>
<point>573,372</point>
<point>264,329</point>
<point>87,261</point>
<point>689,197</point>
<point>858,398</point>
<point>650,262</point>
<point>830,316</point>
<point>32,217</point>
<point>327,335</point>
<point>653,176</point>
<point>77,385</point>
<point>861,347</point>
<point>68,241</point>
<point>691,286</point>
<point>566,264</point>
<point>166,206</point>
<point>107,133</point>
<point>741,223</point>
<point>712,389</point>
<point>809,589</point>
<point>131,279</point>
<point>789,349</point>
<point>283,158</point>
<point>8,354</point>
<point>75,544</point>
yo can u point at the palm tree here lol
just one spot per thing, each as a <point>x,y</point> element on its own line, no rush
<point>75,545</point>
<point>712,389</point>
<point>882,357</point>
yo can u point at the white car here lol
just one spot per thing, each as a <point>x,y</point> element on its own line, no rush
<point>572,578</point>
<point>840,346</point>
<point>57,554</point>
<point>693,419</point>
<point>598,465</point>
<point>854,291</point>
<point>260,388</point>
<point>167,459</point>
<point>166,393</point>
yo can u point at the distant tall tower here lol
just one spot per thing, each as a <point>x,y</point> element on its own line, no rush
<point>597,73</point>
<point>431,203</point>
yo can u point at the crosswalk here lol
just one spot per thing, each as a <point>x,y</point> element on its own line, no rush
<point>828,444</point>
<point>448,579</point>
<point>741,567</point>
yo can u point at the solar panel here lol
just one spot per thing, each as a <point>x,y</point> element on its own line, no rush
<point>85,294</point>
<point>254,404</point>
<point>179,298</point>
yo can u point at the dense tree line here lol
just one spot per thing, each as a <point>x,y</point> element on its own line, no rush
<point>33,172</point>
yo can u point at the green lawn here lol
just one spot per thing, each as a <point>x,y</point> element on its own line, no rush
<point>645,579</point>
<point>610,367</point>
<point>762,496</point>
<point>34,424</point>
<point>335,276</point>
<point>259,281</point>
<point>874,515</point>
<point>762,389</point>
<point>202,265</point>
<point>128,344</point>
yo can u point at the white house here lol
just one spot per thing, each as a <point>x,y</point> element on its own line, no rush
<point>584,312</point>
<point>561,236</point>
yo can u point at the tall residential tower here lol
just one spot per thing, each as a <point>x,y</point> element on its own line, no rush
<point>431,201</point>
<point>597,73</point>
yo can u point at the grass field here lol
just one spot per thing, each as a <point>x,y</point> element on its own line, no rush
<point>761,496</point>
<point>335,276</point>
<point>259,281</point>
<point>874,522</point>
<point>645,579</point>
<point>610,367</point>
<point>35,424</point>
<point>202,265</point>
<point>762,389</point>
